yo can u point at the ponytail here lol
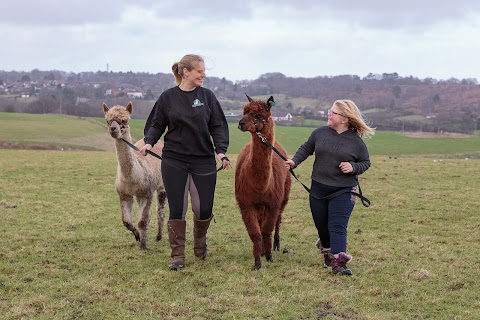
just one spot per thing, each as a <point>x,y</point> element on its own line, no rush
<point>176,73</point>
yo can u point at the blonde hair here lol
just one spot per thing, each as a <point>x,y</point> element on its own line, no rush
<point>355,118</point>
<point>186,62</point>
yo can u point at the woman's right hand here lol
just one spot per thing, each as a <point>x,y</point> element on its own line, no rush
<point>289,164</point>
<point>144,149</point>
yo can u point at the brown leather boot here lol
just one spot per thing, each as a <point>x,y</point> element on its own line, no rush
<point>176,235</point>
<point>200,228</point>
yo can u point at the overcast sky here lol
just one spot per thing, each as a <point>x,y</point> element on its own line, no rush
<point>242,40</point>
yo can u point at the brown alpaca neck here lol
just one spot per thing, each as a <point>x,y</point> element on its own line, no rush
<point>261,158</point>
<point>257,141</point>
<point>125,156</point>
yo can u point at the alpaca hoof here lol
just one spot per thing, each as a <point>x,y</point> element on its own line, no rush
<point>269,258</point>
<point>276,245</point>
<point>136,234</point>
<point>143,246</point>
<point>159,237</point>
<point>257,267</point>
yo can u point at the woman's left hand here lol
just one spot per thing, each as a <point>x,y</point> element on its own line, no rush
<point>222,158</point>
<point>346,167</point>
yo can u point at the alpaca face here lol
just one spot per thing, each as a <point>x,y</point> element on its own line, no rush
<point>256,115</point>
<point>117,120</point>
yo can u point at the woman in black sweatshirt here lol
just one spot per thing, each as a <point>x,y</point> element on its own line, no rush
<point>197,133</point>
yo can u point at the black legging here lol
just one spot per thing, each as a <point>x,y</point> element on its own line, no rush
<point>179,182</point>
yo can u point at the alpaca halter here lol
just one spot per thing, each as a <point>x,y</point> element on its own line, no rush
<point>121,124</point>
<point>257,119</point>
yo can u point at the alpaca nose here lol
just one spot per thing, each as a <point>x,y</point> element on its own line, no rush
<point>241,124</point>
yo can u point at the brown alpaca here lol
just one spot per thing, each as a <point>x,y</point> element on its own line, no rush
<point>137,176</point>
<point>262,183</point>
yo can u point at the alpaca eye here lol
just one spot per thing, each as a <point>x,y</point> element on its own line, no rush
<point>259,116</point>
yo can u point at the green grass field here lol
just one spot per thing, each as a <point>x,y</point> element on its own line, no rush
<point>64,253</point>
<point>82,133</point>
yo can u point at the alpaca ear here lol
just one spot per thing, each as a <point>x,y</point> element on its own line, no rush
<point>105,108</point>
<point>249,99</point>
<point>130,107</point>
<point>270,102</point>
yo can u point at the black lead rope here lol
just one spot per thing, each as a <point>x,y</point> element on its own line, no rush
<point>365,201</point>
<point>174,164</point>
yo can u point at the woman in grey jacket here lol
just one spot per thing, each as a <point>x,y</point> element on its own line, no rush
<point>340,156</point>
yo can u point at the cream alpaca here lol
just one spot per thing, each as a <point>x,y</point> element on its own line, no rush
<point>137,176</point>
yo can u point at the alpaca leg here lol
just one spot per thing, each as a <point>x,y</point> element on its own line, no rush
<point>253,229</point>
<point>126,205</point>
<point>267,229</point>
<point>267,245</point>
<point>286,195</point>
<point>161,199</point>
<point>276,237</point>
<point>144,206</point>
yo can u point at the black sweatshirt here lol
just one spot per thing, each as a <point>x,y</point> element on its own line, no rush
<point>194,118</point>
<point>330,149</point>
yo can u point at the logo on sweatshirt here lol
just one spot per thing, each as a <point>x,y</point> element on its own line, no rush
<point>197,103</point>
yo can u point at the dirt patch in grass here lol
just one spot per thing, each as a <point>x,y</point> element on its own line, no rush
<point>434,135</point>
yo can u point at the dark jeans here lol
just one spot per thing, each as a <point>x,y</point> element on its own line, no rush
<point>331,216</point>
<point>179,183</point>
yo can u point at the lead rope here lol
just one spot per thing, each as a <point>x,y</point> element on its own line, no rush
<point>174,164</point>
<point>365,201</point>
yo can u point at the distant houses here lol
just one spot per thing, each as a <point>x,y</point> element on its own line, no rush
<point>276,116</point>
<point>282,117</point>
<point>135,94</point>
<point>131,93</point>
<point>80,100</point>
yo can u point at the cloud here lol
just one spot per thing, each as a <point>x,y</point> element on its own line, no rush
<point>244,39</point>
<point>367,13</point>
<point>63,13</point>
<point>75,12</point>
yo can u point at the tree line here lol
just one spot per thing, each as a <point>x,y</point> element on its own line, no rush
<point>389,100</point>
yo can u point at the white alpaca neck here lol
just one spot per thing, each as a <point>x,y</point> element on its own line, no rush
<point>125,156</point>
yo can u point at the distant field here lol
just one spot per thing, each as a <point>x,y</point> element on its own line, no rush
<point>282,99</point>
<point>373,110</point>
<point>414,119</point>
<point>71,131</point>
<point>54,130</point>
<point>13,96</point>
<point>314,123</point>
